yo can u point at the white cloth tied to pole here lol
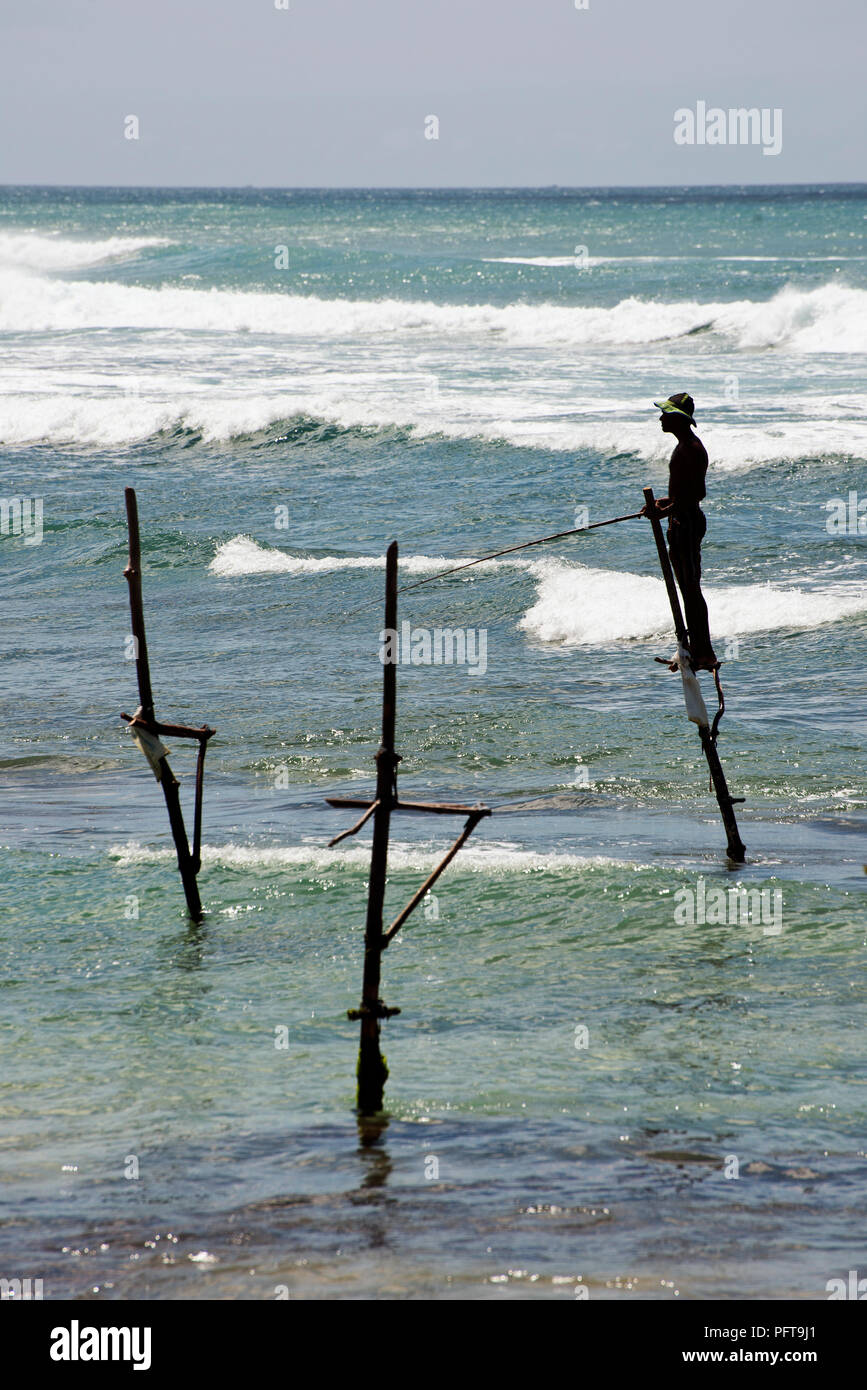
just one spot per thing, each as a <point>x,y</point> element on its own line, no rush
<point>150,745</point>
<point>692,697</point>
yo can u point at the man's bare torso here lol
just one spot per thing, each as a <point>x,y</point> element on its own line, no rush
<point>686,474</point>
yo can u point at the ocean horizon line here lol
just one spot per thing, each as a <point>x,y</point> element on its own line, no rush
<point>820,185</point>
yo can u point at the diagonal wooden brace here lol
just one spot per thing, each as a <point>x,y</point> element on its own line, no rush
<point>474,817</point>
<point>354,829</point>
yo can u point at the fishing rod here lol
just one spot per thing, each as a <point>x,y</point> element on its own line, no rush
<point>525,545</point>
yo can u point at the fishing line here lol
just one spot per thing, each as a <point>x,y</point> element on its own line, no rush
<point>483,559</point>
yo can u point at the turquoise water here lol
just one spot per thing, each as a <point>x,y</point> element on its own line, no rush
<point>452,370</point>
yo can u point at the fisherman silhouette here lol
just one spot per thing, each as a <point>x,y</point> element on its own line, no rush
<point>686,521</point>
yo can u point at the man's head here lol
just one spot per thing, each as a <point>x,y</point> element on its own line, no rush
<point>677,413</point>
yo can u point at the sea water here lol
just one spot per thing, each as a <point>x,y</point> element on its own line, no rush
<point>613,1075</point>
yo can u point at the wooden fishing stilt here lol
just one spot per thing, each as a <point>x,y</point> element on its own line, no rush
<point>148,729</point>
<point>372,1069</point>
<point>736,848</point>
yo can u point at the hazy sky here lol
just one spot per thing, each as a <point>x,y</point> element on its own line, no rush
<point>336,92</point>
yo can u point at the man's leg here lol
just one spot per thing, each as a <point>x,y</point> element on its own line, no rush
<point>684,547</point>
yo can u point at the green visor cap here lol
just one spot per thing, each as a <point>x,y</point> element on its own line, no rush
<point>681,404</point>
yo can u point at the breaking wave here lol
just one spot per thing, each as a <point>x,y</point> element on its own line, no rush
<point>830,318</point>
<point>120,417</point>
<point>495,858</point>
<point>242,555</point>
<point>35,251</point>
<point>581,606</point>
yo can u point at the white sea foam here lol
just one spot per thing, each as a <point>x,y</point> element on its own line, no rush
<point>578,605</point>
<point>36,251</point>
<point>555,262</point>
<point>242,555</point>
<point>32,304</point>
<point>104,421</point>
<point>732,447</point>
<point>113,418</point>
<point>830,318</point>
<point>493,858</point>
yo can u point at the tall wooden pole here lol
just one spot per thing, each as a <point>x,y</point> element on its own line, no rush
<point>667,572</point>
<point>167,779</point>
<point>736,847</point>
<point>132,574</point>
<point>372,1070</point>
